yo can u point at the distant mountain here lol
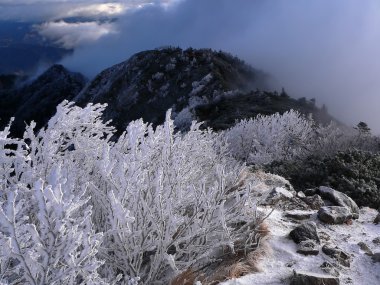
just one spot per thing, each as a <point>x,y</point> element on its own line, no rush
<point>226,110</point>
<point>38,100</point>
<point>23,50</point>
<point>204,85</point>
<point>151,82</point>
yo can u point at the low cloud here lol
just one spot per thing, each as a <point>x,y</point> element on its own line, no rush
<point>48,10</point>
<point>73,35</point>
<point>328,50</point>
<point>323,49</point>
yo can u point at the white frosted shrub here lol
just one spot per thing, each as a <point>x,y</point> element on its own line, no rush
<point>79,208</point>
<point>47,235</point>
<point>291,136</point>
<point>267,138</point>
<point>175,188</point>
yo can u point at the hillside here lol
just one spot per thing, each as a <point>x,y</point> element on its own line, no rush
<point>203,85</point>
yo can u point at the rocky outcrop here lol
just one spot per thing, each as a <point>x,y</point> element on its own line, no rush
<point>339,199</point>
<point>334,214</point>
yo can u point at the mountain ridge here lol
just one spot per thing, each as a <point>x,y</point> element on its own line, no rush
<point>197,84</point>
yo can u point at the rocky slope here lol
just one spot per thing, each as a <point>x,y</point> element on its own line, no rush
<point>308,246</point>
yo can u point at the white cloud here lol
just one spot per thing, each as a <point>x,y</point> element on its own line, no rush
<point>95,10</point>
<point>43,10</point>
<point>70,35</point>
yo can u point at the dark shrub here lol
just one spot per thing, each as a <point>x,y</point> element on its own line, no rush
<point>356,173</point>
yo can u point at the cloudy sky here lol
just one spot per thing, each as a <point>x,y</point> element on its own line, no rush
<point>326,49</point>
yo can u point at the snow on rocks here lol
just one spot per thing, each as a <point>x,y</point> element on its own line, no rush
<point>334,214</point>
<point>338,254</point>
<point>306,231</point>
<point>309,278</point>
<point>364,247</point>
<point>315,202</point>
<point>298,215</point>
<point>329,268</point>
<point>377,219</point>
<point>278,194</point>
<point>278,267</point>
<point>339,199</point>
<point>308,247</point>
<point>376,240</point>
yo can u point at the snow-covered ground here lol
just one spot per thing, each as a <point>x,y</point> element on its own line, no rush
<point>278,267</point>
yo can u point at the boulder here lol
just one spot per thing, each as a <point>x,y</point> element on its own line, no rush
<point>376,241</point>
<point>334,214</point>
<point>309,278</point>
<point>306,231</point>
<point>308,247</point>
<point>336,253</point>
<point>376,257</point>
<point>298,215</point>
<point>364,247</point>
<point>377,219</point>
<point>339,199</point>
<point>328,268</point>
<point>276,195</point>
<point>315,202</point>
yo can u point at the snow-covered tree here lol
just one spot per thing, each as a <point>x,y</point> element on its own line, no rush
<point>291,136</point>
<point>267,138</point>
<point>175,186</point>
<point>79,208</point>
<point>55,244</point>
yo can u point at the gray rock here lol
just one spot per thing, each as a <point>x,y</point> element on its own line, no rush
<point>376,240</point>
<point>298,215</point>
<point>310,191</point>
<point>334,214</point>
<point>315,202</point>
<point>276,195</point>
<point>308,247</point>
<point>336,253</point>
<point>376,257</point>
<point>377,219</point>
<point>301,195</point>
<point>364,247</point>
<point>328,268</point>
<point>339,199</point>
<point>306,231</point>
<point>309,278</point>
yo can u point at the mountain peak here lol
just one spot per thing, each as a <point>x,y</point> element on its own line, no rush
<point>151,82</point>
